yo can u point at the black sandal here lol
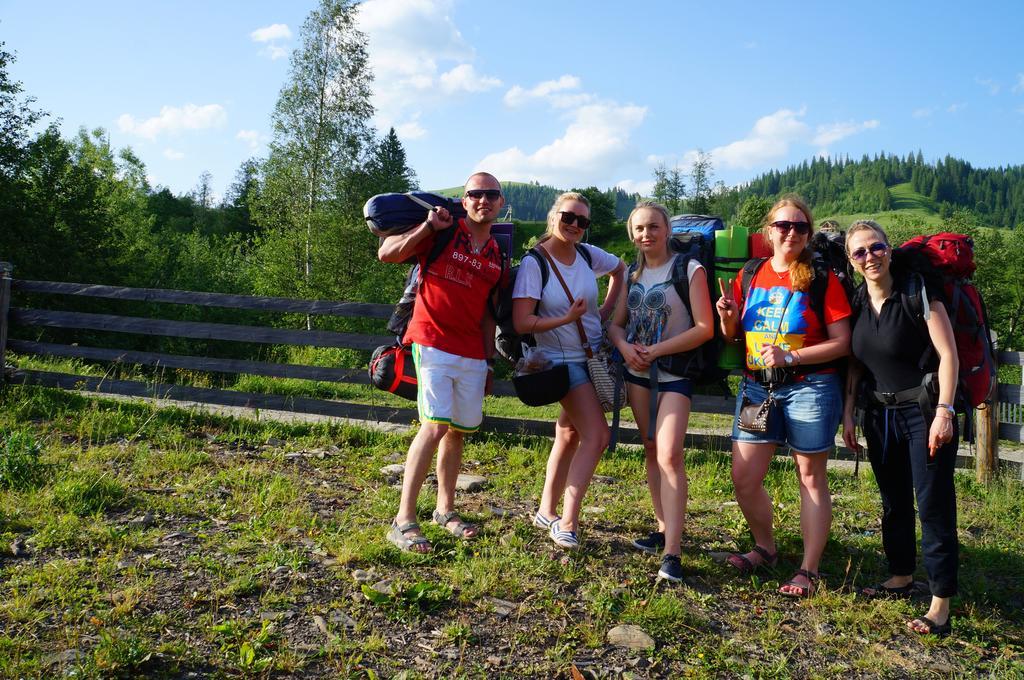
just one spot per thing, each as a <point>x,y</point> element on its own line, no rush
<point>881,590</point>
<point>939,631</point>
<point>743,564</point>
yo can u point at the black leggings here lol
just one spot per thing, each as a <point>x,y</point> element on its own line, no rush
<point>898,449</point>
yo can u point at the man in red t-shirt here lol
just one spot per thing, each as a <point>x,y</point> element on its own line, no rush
<point>452,332</point>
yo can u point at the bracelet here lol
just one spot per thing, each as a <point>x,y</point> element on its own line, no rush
<point>947,407</point>
<point>429,226</point>
<point>796,357</point>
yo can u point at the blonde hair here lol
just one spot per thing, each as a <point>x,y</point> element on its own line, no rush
<point>865,225</point>
<point>554,216</point>
<point>641,260</point>
<point>800,271</point>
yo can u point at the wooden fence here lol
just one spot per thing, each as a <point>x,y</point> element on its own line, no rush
<point>989,430</point>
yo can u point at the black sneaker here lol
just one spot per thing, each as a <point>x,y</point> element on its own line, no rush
<point>671,569</point>
<point>654,543</point>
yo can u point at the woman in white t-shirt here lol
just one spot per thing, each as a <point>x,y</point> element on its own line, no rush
<point>653,325</point>
<point>581,433</point>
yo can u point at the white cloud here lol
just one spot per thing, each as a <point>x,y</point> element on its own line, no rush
<point>464,78</point>
<point>988,83</point>
<point>1019,87</point>
<point>173,154</point>
<point>832,133</point>
<point>750,45</point>
<point>419,59</point>
<point>253,138</point>
<point>271,33</point>
<point>275,52</point>
<point>518,96</point>
<point>768,141</point>
<point>411,130</point>
<point>772,138</point>
<point>595,143</point>
<point>923,112</point>
<point>643,187</point>
<point>174,120</point>
<point>956,107</point>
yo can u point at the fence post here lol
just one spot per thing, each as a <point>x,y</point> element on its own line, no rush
<point>986,430</point>
<point>5,304</point>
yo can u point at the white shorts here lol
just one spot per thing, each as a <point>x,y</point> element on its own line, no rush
<point>451,388</point>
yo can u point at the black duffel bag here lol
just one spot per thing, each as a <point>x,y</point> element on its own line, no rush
<point>393,370</point>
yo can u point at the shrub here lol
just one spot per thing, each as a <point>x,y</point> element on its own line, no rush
<point>20,467</point>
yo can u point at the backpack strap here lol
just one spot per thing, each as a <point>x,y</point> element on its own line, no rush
<point>747,275</point>
<point>542,263</point>
<point>585,253</point>
<point>681,282</point>
<point>441,240</point>
<point>819,286</point>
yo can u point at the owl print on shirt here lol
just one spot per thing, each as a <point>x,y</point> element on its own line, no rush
<point>649,313</point>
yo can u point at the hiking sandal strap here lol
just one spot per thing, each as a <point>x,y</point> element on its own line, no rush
<point>809,575</point>
<point>763,552</point>
<point>407,527</point>
<point>447,517</point>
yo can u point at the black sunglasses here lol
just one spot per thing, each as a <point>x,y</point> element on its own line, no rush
<point>571,217</point>
<point>878,249</point>
<point>477,194</point>
<point>802,228</point>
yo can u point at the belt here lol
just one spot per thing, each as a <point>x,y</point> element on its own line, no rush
<point>773,376</point>
<point>897,398</point>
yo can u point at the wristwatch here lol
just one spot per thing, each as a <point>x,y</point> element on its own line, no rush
<point>789,359</point>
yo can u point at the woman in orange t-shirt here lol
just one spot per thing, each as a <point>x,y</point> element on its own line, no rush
<point>793,331</point>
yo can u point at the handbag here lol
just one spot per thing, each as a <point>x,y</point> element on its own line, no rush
<point>543,387</point>
<point>754,416</point>
<point>605,374</point>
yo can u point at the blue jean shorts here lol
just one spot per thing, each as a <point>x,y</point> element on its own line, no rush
<point>578,373</point>
<point>806,415</point>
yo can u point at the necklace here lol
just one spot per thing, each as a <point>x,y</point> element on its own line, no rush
<point>782,275</point>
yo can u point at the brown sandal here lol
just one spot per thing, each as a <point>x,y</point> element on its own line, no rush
<point>743,564</point>
<point>801,592</point>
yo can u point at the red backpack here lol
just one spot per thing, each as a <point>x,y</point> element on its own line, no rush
<point>951,256</point>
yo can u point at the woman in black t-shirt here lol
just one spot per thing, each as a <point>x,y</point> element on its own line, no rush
<point>901,348</point>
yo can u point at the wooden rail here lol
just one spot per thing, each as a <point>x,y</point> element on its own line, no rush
<point>989,429</point>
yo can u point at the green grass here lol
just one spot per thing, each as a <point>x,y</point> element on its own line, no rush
<point>245,544</point>
<point>905,198</point>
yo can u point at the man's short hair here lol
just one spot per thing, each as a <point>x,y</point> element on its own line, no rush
<point>483,174</point>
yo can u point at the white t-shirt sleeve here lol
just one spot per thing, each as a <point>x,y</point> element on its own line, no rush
<point>692,268</point>
<point>528,281</point>
<point>601,261</point>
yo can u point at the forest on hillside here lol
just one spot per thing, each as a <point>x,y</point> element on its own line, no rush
<point>995,195</point>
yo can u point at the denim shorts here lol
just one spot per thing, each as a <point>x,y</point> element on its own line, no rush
<point>578,373</point>
<point>806,415</point>
<point>682,386</point>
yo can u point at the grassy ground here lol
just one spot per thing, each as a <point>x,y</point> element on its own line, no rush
<point>161,543</point>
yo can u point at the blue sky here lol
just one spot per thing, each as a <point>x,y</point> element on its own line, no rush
<point>569,93</point>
